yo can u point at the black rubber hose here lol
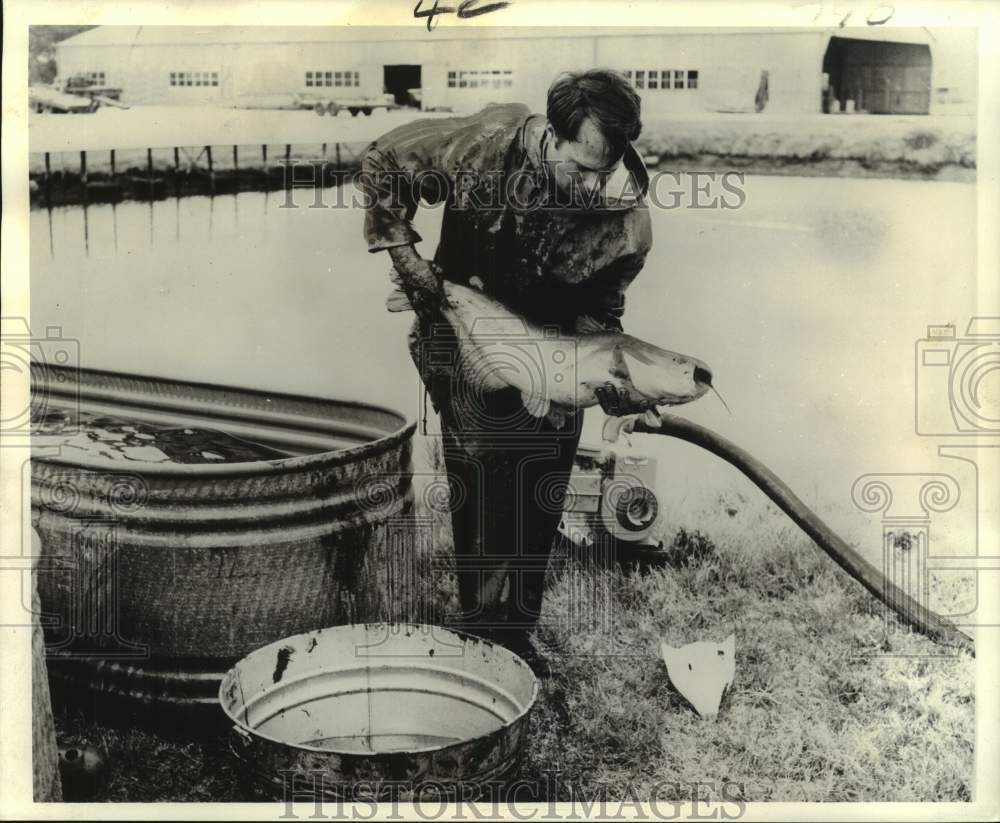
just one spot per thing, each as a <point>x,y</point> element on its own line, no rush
<point>911,612</point>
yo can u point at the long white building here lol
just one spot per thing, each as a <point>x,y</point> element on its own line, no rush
<point>677,71</point>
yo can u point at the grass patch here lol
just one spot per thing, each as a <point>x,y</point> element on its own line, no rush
<point>827,705</point>
<point>145,767</point>
<point>886,144</point>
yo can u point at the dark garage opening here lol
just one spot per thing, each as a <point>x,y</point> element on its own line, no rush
<point>880,77</point>
<point>399,79</point>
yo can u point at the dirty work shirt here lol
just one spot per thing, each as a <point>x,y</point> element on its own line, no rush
<point>503,223</point>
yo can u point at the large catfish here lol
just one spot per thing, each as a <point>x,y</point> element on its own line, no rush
<point>559,373</point>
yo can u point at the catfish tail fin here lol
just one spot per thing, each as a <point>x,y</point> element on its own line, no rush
<point>398,301</point>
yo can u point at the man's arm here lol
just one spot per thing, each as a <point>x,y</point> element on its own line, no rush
<point>420,278</point>
<point>419,161</point>
<point>603,306</point>
<point>390,187</point>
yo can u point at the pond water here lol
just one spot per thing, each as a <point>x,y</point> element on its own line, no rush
<point>807,303</point>
<point>119,438</point>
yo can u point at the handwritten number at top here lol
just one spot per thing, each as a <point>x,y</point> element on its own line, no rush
<point>466,9</point>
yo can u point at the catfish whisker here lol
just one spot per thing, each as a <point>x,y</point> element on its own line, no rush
<point>721,400</point>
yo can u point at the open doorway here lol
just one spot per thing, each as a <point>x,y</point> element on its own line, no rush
<point>403,83</point>
<point>878,76</point>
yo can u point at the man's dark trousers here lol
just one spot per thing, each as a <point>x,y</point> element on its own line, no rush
<point>508,472</point>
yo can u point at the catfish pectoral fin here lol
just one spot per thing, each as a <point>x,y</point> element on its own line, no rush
<point>651,417</point>
<point>536,405</point>
<point>397,301</point>
<point>557,416</point>
<point>614,426</point>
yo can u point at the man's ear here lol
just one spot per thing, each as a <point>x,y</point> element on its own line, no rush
<point>550,133</point>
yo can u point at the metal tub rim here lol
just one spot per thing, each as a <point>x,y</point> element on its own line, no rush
<point>243,729</point>
<point>327,458</point>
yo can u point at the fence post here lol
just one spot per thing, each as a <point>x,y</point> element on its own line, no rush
<point>83,175</point>
<point>149,169</point>
<point>48,181</point>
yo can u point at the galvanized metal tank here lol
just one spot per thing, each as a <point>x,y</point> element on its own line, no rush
<point>162,574</point>
<point>379,711</point>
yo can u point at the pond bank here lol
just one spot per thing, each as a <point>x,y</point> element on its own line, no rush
<point>86,166</point>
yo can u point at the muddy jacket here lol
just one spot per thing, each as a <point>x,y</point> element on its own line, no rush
<point>503,221</point>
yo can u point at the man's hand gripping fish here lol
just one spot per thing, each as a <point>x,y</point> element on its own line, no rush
<point>559,373</point>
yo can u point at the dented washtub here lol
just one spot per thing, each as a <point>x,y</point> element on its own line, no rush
<point>184,524</point>
<point>379,711</point>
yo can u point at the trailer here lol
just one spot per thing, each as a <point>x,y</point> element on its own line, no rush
<point>277,101</point>
<point>355,105</point>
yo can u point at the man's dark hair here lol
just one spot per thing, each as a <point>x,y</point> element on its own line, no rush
<point>605,96</point>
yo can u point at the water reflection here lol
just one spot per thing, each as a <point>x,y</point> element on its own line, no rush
<point>98,225</point>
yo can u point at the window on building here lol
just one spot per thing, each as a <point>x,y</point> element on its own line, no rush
<point>332,79</point>
<point>658,79</point>
<point>95,77</point>
<point>481,79</point>
<point>194,78</point>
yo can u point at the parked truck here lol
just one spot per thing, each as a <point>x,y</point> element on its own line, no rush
<point>49,99</point>
<point>74,94</point>
<point>86,87</point>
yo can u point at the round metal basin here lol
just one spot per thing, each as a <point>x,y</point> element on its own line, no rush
<point>378,710</point>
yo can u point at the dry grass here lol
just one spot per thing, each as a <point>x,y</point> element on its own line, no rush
<point>917,144</point>
<point>828,705</point>
<point>145,767</point>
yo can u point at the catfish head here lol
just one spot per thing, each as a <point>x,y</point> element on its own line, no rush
<point>658,376</point>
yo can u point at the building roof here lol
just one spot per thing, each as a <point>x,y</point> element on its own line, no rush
<point>187,35</point>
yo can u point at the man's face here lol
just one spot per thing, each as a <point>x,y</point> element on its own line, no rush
<point>581,165</point>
